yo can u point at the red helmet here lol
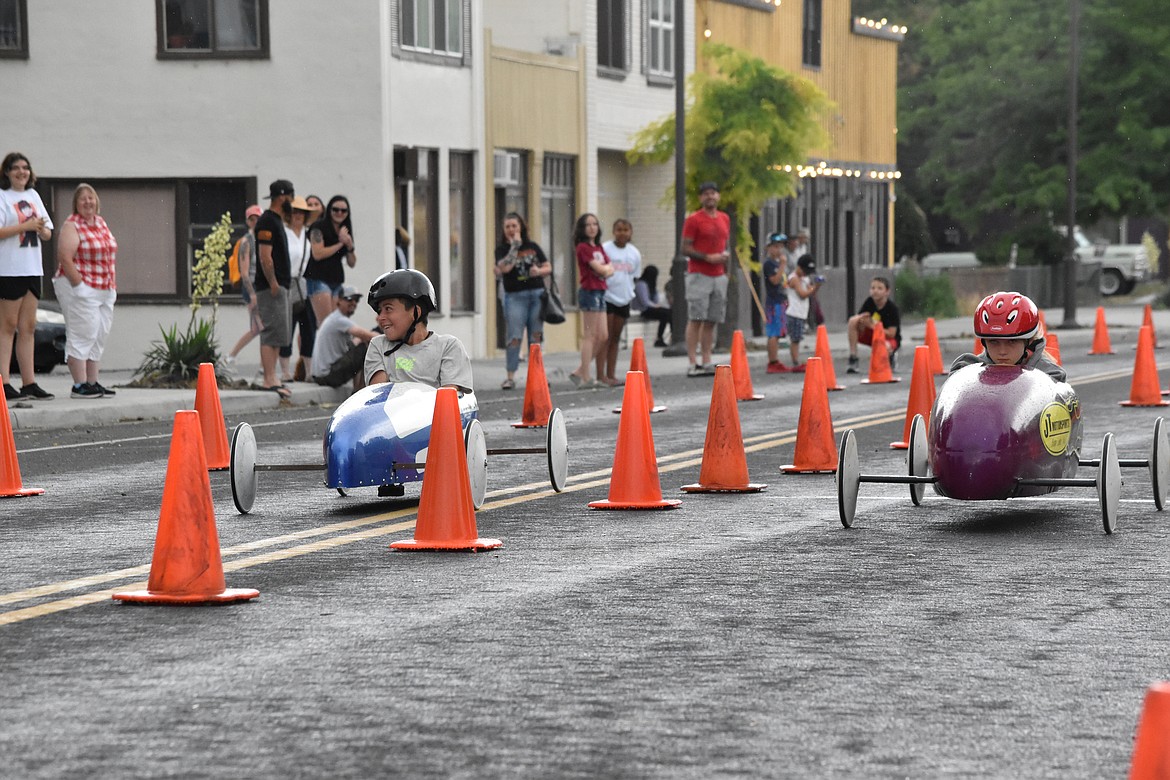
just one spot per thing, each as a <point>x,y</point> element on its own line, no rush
<point>1007,315</point>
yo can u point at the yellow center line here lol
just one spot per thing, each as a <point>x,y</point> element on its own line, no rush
<point>530,492</point>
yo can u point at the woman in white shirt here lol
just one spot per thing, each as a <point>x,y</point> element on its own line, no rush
<point>299,256</point>
<point>24,225</point>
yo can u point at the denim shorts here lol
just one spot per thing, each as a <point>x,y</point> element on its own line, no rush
<point>774,327</point>
<point>795,329</point>
<point>591,300</point>
<point>314,286</point>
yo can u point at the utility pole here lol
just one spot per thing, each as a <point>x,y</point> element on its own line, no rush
<point>1070,258</point>
<point>678,267</point>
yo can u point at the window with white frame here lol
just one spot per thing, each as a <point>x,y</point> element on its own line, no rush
<point>660,38</point>
<point>432,26</point>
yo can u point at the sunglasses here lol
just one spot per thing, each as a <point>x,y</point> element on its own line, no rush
<point>339,210</point>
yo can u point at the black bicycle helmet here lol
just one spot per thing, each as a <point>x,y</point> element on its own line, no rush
<point>405,283</point>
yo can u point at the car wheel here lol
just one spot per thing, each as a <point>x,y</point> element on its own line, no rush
<point>1112,282</point>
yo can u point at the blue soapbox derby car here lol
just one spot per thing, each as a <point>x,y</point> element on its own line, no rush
<point>999,432</point>
<point>379,436</point>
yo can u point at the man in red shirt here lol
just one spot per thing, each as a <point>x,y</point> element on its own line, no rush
<point>704,243</point>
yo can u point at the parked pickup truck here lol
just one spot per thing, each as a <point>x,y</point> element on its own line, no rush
<point>1122,265</point>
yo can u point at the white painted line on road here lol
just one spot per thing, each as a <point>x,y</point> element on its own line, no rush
<point>153,437</point>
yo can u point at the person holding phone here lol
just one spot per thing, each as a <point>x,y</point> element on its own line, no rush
<point>521,266</point>
<point>24,226</point>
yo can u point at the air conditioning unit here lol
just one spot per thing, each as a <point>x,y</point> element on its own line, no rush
<point>561,47</point>
<point>506,168</point>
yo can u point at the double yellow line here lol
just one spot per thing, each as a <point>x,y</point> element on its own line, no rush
<point>362,529</point>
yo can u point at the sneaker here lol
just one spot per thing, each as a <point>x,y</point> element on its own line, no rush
<point>104,390</point>
<point>86,390</point>
<point>799,369</point>
<point>708,370</point>
<point>36,392</point>
<point>659,343</point>
<point>776,367</point>
<point>226,366</point>
<point>893,361</point>
<point>696,370</point>
<point>11,393</point>
<point>852,369</point>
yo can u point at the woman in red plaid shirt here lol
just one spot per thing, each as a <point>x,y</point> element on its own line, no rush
<point>85,287</point>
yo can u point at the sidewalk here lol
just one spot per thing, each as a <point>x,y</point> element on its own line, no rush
<point>132,403</point>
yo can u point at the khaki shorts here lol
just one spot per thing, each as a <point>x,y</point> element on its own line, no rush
<point>274,313</point>
<point>706,297</point>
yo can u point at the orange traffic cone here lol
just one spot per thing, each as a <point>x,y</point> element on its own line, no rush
<point>936,361</point>
<point>1151,749</point>
<point>1101,345</point>
<point>1148,319</point>
<point>740,371</point>
<point>537,401</point>
<point>446,510</point>
<point>879,359</point>
<point>638,363</point>
<point>822,351</point>
<point>1145,389</point>
<point>186,567</point>
<point>1052,347</point>
<point>633,481</point>
<point>724,467</point>
<point>816,450</point>
<point>921,395</point>
<point>978,346</point>
<point>10,484</point>
<point>215,441</point>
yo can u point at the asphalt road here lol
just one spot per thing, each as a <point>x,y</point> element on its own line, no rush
<point>739,635</point>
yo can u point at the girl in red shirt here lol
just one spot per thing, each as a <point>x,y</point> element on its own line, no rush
<point>593,269</point>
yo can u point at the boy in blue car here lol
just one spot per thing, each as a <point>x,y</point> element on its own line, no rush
<point>407,351</point>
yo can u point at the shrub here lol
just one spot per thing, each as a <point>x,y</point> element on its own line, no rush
<point>176,358</point>
<point>928,296</point>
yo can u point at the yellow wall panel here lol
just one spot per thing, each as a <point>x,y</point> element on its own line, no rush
<point>857,72</point>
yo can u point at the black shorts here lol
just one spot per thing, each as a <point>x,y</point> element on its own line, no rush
<point>618,311</point>
<point>13,288</point>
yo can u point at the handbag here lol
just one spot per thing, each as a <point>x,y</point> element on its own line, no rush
<point>552,310</point>
<point>299,290</point>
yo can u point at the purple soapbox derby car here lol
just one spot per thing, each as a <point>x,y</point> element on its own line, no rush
<point>379,436</point>
<point>999,432</point>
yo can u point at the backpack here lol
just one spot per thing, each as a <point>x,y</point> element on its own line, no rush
<point>234,264</point>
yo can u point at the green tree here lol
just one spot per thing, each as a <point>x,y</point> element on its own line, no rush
<point>983,106</point>
<point>745,121</point>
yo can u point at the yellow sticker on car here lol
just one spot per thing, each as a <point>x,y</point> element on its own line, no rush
<point>1055,428</point>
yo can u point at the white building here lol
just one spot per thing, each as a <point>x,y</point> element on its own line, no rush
<point>180,110</point>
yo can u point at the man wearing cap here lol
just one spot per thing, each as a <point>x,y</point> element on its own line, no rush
<point>340,350</point>
<point>775,299</point>
<point>272,281</point>
<point>704,243</point>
